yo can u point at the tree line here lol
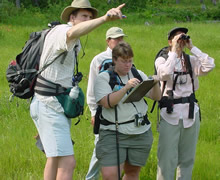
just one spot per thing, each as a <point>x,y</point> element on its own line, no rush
<point>138,3</point>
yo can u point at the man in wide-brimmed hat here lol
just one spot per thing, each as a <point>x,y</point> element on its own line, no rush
<point>62,43</point>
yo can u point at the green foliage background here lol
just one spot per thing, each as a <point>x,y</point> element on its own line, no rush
<point>146,29</point>
<point>152,11</point>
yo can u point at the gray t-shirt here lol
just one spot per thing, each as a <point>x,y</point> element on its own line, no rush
<point>126,111</point>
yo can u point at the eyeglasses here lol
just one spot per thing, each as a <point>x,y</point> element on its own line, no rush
<point>126,61</point>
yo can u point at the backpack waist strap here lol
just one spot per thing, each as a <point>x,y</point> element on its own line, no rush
<point>105,122</point>
<point>167,102</point>
<point>47,88</point>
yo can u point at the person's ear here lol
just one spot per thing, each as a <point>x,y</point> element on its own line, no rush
<point>107,40</point>
<point>170,42</point>
<point>113,60</point>
<point>72,18</point>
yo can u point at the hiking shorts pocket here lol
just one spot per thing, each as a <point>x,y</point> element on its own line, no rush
<point>34,109</point>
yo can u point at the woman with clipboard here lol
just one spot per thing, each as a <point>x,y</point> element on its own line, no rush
<point>125,132</point>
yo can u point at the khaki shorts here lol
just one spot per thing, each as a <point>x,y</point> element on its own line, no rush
<point>132,148</point>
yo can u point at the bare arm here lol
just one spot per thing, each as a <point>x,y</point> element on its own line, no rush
<point>87,26</point>
<point>93,120</point>
<point>115,97</point>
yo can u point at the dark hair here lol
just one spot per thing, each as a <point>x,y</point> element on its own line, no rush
<point>122,49</point>
<point>75,12</point>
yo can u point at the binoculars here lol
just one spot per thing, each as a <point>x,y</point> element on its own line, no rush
<point>184,37</point>
<point>77,78</point>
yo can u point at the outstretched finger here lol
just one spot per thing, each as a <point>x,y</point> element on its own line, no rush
<point>120,6</point>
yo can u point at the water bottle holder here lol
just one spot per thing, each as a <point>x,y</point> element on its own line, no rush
<point>72,107</point>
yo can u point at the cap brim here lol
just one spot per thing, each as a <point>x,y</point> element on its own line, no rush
<point>185,30</point>
<point>172,32</point>
<point>116,36</point>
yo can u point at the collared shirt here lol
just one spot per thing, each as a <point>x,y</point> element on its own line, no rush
<point>201,64</point>
<point>61,71</point>
<point>93,72</point>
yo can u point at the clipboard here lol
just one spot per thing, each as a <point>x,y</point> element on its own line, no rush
<point>139,91</point>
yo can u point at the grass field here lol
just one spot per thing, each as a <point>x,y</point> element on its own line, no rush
<point>21,160</point>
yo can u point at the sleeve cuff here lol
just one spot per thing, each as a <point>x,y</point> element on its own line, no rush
<point>196,51</point>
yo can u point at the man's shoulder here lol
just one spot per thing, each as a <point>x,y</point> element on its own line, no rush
<point>59,28</point>
<point>63,26</point>
<point>99,58</point>
<point>102,55</point>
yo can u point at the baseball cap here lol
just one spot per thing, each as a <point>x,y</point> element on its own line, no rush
<point>114,32</point>
<point>176,29</point>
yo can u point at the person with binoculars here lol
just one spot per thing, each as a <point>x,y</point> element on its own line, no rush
<point>179,111</point>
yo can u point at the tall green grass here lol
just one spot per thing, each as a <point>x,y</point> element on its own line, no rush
<point>21,160</point>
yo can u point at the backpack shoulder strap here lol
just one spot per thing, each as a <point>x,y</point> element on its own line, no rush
<point>188,63</point>
<point>113,80</point>
<point>189,67</point>
<point>136,74</point>
<point>43,36</point>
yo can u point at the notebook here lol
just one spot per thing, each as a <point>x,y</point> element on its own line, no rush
<point>139,91</point>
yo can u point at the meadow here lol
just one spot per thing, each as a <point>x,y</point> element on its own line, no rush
<point>19,157</point>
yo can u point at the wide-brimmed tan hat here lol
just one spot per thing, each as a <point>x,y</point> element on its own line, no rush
<point>77,4</point>
<point>114,32</point>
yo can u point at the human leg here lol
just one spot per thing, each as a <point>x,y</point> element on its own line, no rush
<point>187,150</point>
<point>59,168</point>
<point>131,172</point>
<point>66,166</point>
<point>50,170</point>
<point>167,153</point>
<point>110,172</point>
<point>94,166</point>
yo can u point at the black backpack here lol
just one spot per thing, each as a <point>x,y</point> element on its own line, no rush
<point>21,73</point>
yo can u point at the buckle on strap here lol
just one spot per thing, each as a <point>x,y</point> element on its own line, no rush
<point>182,100</point>
<point>185,100</point>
